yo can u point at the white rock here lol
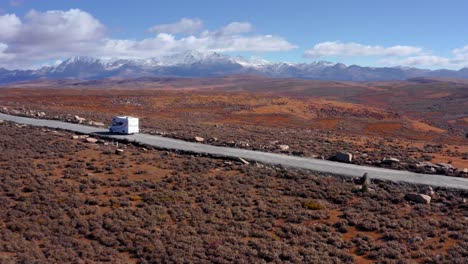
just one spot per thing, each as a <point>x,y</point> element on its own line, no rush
<point>79,119</point>
<point>94,123</point>
<point>91,140</point>
<point>199,139</point>
<point>119,151</point>
<point>244,161</point>
<point>283,147</point>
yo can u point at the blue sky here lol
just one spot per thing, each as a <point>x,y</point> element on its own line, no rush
<point>428,34</point>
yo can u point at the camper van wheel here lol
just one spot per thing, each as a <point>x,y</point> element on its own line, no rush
<point>111,131</point>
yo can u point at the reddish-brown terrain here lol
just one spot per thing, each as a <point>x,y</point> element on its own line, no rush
<point>413,121</point>
<point>71,200</point>
<point>65,200</point>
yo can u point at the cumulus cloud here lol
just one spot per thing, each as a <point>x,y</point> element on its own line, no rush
<point>461,54</point>
<point>423,60</point>
<point>46,35</point>
<point>236,28</point>
<point>399,55</point>
<point>458,60</point>
<point>334,48</point>
<point>229,38</point>
<point>55,35</point>
<point>164,44</point>
<point>185,25</point>
<point>10,25</point>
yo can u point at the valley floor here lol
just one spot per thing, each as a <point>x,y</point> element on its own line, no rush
<point>66,198</point>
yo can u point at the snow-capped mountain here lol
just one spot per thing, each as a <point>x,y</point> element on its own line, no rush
<point>196,64</point>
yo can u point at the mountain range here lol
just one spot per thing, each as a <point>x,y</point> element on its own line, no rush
<point>195,64</point>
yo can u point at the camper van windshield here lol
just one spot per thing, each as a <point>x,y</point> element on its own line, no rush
<point>117,123</point>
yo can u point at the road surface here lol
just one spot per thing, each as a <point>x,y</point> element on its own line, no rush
<point>350,170</point>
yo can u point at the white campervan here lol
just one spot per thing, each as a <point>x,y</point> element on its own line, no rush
<point>124,125</point>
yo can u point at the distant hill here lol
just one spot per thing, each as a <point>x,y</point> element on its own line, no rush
<point>194,64</point>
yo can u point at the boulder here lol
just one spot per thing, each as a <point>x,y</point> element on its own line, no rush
<point>283,147</point>
<point>427,164</point>
<point>344,156</point>
<point>428,167</point>
<point>427,190</point>
<point>79,119</point>
<point>98,124</point>
<point>91,140</point>
<point>390,161</point>
<point>199,139</point>
<point>119,151</point>
<point>213,139</point>
<point>445,165</point>
<point>40,114</point>
<point>463,173</point>
<point>365,180</point>
<point>242,144</point>
<point>418,198</point>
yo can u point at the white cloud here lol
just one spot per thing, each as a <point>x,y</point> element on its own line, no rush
<point>423,60</point>
<point>458,60</point>
<point>55,35</point>
<point>399,55</point>
<point>48,35</point>
<point>237,28</point>
<point>185,25</point>
<point>164,44</point>
<point>10,24</point>
<point>3,55</point>
<point>461,55</point>
<point>334,48</point>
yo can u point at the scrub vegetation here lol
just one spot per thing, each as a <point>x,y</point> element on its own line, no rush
<point>65,200</point>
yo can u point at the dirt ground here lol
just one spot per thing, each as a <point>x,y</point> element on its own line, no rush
<point>310,126</point>
<point>66,200</point>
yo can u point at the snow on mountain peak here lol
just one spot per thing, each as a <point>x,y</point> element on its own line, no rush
<point>206,64</point>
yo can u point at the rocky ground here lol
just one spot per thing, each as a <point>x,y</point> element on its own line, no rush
<point>437,154</point>
<point>72,198</point>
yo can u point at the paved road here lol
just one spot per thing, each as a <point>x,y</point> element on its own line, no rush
<point>271,158</point>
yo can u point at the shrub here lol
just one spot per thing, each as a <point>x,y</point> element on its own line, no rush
<point>313,205</point>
